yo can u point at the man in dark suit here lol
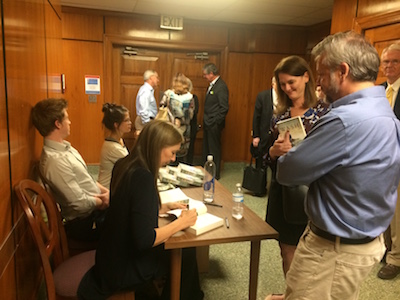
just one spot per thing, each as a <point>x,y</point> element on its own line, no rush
<point>216,107</point>
<point>262,121</point>
<point>390,64</point>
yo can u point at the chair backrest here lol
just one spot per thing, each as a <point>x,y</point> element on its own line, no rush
<point>49,234</point>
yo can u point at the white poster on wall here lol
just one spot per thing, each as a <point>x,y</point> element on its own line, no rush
<point>92,84</point>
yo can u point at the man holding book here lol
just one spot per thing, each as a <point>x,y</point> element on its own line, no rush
<point>352,171</point>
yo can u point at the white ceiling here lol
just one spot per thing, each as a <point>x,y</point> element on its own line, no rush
<point>283,12</point>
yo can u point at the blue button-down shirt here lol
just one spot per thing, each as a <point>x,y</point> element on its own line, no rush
<point>146,105</point>
<point>351,162</point>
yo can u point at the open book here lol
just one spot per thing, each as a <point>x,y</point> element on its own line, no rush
<point>295,127</point>
<point>205,221</point>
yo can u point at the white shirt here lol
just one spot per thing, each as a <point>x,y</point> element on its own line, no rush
<point>67,174</point>
<point>111,151</point>
<point>146,105</point>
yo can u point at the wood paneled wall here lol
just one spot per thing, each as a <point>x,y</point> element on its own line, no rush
<point>34,56</point>
<point>243,48</point>
<point>346,12</point>
<point>29,64</point>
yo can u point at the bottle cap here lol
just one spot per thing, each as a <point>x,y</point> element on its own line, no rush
<point>209,157</point>
<point>238,184</point>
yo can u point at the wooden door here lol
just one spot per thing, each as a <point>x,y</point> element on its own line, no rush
<point>127,77</point>
<point>381,30</point>
<point>382,37</point>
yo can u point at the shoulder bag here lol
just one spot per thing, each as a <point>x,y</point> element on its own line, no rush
<point>255,179</point>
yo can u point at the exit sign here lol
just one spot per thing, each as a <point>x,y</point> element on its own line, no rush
<point>174,23</point>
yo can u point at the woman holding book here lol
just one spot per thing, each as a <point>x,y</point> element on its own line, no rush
<point>131,254</point>
<point>296,97</point>
<point>181,107</point>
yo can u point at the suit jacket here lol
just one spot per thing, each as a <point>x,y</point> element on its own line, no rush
<point>193,122</point>
<point>216,105</point>
<point>262,117</point>
<point>396,107</point>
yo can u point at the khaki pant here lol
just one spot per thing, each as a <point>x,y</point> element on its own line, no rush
<point>322,269</point>
<point>393,256</point>
<point>138,123</point>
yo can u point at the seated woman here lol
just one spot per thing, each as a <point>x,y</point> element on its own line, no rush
<point>180,104</point>
<point>131,253</point>
<point>116,119</point>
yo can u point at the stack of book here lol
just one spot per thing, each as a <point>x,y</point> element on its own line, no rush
<point>182,175</point>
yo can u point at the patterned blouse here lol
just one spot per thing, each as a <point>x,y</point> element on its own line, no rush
<point>309,118</point>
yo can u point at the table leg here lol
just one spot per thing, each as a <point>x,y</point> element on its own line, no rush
<point>176,267</point>
<point>254,264</point>
<point>203,258</point>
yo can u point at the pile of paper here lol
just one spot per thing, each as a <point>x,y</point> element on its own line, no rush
<point>182,175</point>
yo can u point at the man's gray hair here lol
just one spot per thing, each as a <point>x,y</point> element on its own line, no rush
<point>211,68</point>
<point>395,46</point>
<point>148,73</point>
<point>350,48</point>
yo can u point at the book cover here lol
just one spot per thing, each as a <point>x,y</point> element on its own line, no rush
<point>173,195</point>
<point>190,170</point>
<point>174,176</point>
<point>295,127</point>
<point>189,179</point>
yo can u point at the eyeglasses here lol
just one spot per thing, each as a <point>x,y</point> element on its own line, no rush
<point>394,62</point>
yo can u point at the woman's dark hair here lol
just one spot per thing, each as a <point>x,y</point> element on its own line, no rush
<point>113,113</point>
<point>294,66</point>
<point>146,153</point>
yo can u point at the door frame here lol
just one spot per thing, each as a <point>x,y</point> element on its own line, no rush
<point>362,24</point>
<point>111,40</point>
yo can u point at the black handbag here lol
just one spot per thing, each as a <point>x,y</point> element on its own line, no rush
<point>293,198</point>
<point>255,179</point>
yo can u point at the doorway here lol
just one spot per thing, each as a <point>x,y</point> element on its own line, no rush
<point>128,63</point>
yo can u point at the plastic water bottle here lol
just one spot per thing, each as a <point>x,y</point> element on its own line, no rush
<point>237,196</point>
<point>209,180</point>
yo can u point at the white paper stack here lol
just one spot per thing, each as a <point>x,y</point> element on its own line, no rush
<point>183,175</point>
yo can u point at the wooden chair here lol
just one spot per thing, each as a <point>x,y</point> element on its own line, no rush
<point>62,273</point>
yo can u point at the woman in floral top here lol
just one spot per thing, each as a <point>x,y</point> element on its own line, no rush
<point>180,105</point>
<point>296,97</point>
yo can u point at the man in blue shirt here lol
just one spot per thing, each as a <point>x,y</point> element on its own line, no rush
<point>146,104</point>
<point>351,162</point>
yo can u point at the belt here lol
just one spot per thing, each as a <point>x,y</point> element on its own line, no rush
<point>331,237</point>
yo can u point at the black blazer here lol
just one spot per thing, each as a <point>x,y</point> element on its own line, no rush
<point>216,105</point>
<point>262,117</point>
<point>193,122</point>
<point>396,107</point>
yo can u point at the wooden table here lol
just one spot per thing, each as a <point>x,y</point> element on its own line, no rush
<point>250,228</point>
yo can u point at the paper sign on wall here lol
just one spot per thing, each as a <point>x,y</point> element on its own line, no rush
<point>92,84</point>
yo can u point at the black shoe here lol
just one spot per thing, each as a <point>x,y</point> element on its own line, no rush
<point>259,194</point>
<point>388,271</point>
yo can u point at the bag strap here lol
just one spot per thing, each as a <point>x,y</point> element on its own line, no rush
<point>251,160</point>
